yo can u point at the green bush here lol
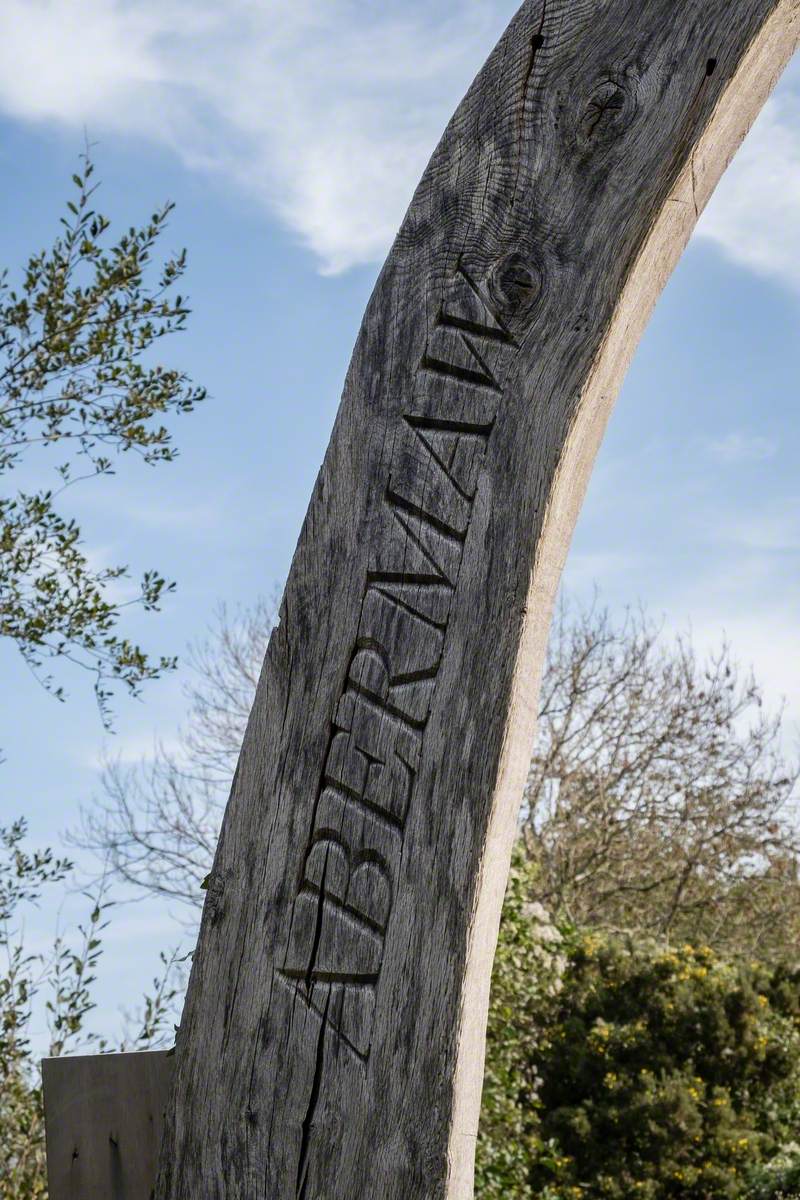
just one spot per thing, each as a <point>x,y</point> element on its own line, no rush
<point>525,979</point>
<point>779,1180</point>
<point>648,1071</point>
<point>23,878</point>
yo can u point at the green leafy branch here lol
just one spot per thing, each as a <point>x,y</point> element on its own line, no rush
<point>77,373</point>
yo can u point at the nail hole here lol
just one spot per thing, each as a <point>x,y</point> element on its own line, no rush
<point>537,41</point>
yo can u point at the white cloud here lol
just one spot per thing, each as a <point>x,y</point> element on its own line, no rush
<point>326,111</point>
<point>754,216</point>
<point>738,447</point>
<point>74,58</point>
<point>584,568</point>
<point>135,746</point>
<point>767,532</point>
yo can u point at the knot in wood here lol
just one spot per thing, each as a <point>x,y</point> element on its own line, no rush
<point>608,111</point>
<point>214,896</point>
<point>515,283</point>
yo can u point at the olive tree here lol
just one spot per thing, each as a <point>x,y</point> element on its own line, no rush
<point>80,385</point>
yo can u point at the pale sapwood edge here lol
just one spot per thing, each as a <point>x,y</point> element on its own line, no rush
<point>332,1042</point>
<point>736,110</point>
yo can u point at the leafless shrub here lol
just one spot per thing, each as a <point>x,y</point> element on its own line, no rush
<point>658,797</point>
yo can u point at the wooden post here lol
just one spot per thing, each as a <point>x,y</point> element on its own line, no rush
<point>332,1042</point>
<point>105,1116</point>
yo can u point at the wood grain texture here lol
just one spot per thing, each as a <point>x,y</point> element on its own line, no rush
<point>104,1118</point>
<point>332,1042</point>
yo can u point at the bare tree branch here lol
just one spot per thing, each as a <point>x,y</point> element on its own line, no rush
<point>658,799</point>
<point>157,822</point>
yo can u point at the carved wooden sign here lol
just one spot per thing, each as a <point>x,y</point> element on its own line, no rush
<point>332,1042</point>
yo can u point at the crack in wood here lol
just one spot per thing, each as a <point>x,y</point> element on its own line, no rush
<point>313,1100</point>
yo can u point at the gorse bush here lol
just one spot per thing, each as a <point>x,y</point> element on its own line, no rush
<point>665,1072</point>
<point>649,1071</point>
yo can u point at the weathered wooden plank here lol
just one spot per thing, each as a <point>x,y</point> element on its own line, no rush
<point>104,1119</point>
<point>332,1042</point>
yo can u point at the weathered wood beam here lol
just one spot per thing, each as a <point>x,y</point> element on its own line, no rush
<point>332,1042</point>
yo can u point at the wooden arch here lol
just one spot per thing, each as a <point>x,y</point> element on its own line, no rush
<point>332,1042</point>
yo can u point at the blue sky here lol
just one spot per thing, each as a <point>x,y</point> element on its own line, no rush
<point>290,134</point>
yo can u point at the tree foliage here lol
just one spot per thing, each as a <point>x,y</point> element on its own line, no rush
<point>526,976</point>
<point>777,1180</point>
<point>22,879</point>
<point>79,381</point>
<point>629,1067</point>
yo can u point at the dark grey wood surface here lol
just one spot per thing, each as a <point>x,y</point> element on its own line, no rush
<point>104,1118</point>
<point>331,1046</point>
